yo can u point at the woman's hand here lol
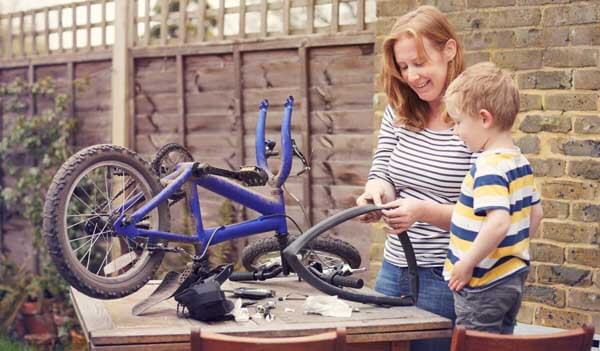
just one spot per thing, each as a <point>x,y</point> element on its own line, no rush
<point>401,214</point>
<point>377,192</point>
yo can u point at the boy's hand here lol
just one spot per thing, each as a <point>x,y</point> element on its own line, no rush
<point>461,275</point>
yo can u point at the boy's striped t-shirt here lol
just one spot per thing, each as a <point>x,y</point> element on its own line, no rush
<point>499,179</point>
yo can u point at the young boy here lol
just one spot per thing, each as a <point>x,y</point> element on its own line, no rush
<point>499,205</point>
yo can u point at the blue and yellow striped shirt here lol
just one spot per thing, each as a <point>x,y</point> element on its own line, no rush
<point>499,179</point>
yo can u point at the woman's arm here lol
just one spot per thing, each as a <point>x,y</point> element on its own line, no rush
<point>379,188</point>
<point>386,143</point>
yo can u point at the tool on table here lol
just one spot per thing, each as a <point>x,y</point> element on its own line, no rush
<point>291,296</point>
<point>265,310</point>
<point>252,293</point>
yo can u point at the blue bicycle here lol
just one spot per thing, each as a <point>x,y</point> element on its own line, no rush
<point>107,218</point>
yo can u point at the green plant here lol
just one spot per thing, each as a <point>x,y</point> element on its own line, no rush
<point>35,147</point>
<point>14,287</point>
<point>31,152</point>
<point>173,30</point>
<point>9,345</point>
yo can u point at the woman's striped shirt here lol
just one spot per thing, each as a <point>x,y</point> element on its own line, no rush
<point>426,165</point>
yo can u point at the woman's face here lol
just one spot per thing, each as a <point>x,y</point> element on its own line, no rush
<point>425,77</point>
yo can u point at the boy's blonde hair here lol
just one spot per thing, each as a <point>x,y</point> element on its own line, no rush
<point>484,86</point>
<point>424,22</point>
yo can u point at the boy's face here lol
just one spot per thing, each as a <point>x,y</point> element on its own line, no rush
<point>471,130</point>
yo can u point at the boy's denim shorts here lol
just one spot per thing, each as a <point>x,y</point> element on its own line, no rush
<point>491,310</point>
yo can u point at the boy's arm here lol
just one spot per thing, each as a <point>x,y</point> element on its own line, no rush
<point>436,214</point>
<point>536,218</point>
<point>493,230</point>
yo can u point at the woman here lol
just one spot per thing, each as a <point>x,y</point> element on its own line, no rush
<point>419,164</point>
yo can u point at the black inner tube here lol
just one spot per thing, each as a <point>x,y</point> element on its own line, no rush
<point>291,256</point>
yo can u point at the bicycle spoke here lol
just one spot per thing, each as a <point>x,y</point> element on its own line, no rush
<point>87,215</point>
<point>82,188</point>
<point>73,225</point>
<point>83,245</point>
<point>105,195</point>
<point>83,237</point>
<point>105,258</point>
<point>85,204</point>
<point>122,192</point>
<point>128,197</point>
<point>108,188</point>
<point>87,266</point>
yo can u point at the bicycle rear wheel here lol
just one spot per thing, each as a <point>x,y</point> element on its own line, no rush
<point>85,197</point>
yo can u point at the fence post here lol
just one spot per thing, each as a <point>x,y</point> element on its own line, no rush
<point>121,76</point>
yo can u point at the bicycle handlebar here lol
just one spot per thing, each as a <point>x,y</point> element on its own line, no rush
<point>351,282</point>
<point>286,142</point>
<point>261,159</point>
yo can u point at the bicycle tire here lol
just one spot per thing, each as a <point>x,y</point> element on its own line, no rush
<point>337,251</point>
<point>72,186</point>
<point>291,256</point>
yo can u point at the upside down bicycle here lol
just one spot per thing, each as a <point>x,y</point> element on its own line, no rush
<point>107,221</point>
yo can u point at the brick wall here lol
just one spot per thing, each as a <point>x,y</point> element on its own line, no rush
<point>553,46</point>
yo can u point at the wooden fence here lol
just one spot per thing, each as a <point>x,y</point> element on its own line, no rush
<point>201,86</point>
<point>89,26</point>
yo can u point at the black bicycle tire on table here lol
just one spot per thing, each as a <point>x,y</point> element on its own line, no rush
<point>290,255</point>
<point>55,232</point>
<point>342,249</point>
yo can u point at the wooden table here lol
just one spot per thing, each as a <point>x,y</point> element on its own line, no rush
<point>109,324</point>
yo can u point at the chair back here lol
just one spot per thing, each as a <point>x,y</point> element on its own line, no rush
<point>573,340</point>
<point>329,341</point>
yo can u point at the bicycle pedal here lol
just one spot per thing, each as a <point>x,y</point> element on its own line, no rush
<point>253,176</point>
<point>185,274</point>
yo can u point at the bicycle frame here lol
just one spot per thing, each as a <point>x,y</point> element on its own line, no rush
<point>273,215</point>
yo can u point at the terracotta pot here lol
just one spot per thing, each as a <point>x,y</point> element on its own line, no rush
<point>36,320</point>
<point>30,308</point>
<point>39,324</point>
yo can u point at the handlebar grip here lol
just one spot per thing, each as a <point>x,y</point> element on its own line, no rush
<point>261,159</point>
<point>242,276</point>
<point>350,282</point>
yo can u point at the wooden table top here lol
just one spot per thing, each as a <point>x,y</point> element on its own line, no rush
<point>110,322</point>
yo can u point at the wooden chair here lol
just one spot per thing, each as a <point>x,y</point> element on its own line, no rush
<point>329,341</point>
<point>573,340</point>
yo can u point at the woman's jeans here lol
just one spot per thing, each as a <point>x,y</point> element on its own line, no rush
<point>434,296</point>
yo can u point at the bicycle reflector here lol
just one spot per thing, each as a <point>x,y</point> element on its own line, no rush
<point>291,254</point>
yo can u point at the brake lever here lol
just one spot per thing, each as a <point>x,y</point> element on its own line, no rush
<point>300,155</point>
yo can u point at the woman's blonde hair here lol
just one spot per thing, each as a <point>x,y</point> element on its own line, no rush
<point>428,22</point>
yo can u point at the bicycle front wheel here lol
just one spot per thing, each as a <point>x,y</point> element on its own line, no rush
<point>91,190</point>
<point>327,251</point>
